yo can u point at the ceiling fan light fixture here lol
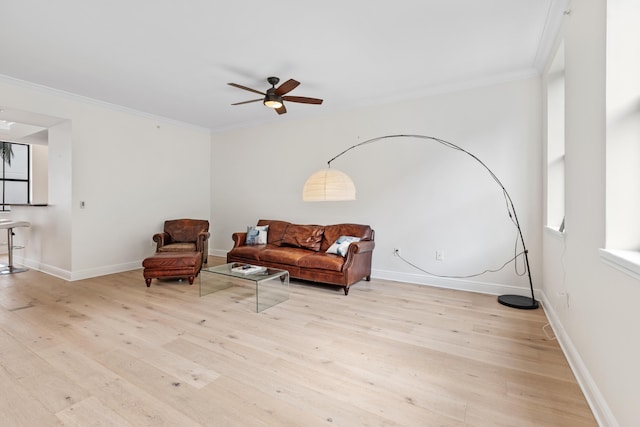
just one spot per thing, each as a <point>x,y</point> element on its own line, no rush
<point>272,101</point>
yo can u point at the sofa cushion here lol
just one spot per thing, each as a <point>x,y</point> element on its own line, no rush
<point>287,256</point>
<point>341,245</point>
<point>178,247</point>
<point>321,261</point>
<point>185,230</point>
<point>276,230</point>
<point>304,236</point>
<point>333,232</point>
<point>173,261</point>
<point>248,252</point>
<point>257,235</point>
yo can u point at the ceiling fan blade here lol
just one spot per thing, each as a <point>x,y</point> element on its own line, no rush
<point>246,88</point>
<point>287,87</point>
<point>281,110</point>
<point>246,102</point>
<point>302,99</point>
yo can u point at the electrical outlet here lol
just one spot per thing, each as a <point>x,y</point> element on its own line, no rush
<point>565,296</point>
<point>396,251</point>
<point>440,255</point>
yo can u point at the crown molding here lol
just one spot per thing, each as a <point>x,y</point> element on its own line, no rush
<point>103,104</point>
<point>558,10</point>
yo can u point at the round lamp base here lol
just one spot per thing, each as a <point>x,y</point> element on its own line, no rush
<point>518,301</point>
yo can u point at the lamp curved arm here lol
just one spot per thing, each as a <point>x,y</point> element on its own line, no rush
<point>515,301</point>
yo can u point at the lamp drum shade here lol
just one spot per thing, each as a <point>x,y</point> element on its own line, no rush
<point>328,185</point>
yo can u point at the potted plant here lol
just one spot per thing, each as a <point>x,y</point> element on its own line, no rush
<point>6,152</point>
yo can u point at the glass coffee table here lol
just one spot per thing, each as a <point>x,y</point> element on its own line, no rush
<point>272,285</point>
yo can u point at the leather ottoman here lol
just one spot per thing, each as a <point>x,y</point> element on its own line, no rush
<point>172,265</point>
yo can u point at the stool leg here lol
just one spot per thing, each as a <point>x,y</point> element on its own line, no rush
<point>10,244</point>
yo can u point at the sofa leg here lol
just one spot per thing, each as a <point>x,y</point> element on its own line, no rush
<point>346,290</point>
<point>148,282</point>
<point>191,278</point>
<point>368,278</point>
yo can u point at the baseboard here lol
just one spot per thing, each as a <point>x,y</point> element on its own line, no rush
<point>44,268</point>
<point>81,274</point>
<point>422,279</point>
<point>103,271</point>
<point>595,399</point>
<point>457,284</point>
<point>218,252</point>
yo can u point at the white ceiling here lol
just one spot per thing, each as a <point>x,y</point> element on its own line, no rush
<point>174,59</point>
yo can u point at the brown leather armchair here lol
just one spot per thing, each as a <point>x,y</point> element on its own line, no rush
<point>184,235</point>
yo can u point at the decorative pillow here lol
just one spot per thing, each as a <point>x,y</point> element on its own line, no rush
<point>341,245</point>
<point>257,235</point>
<point>303,236</point>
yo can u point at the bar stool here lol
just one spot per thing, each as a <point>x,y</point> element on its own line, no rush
<point>9,226</point>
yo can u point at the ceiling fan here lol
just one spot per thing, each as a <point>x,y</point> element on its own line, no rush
<point>275,97</point>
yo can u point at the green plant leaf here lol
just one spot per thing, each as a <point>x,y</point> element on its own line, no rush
<point>6,151</point>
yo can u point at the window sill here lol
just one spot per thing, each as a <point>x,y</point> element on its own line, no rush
<point>23,204</point>
<point>553,231</point>
<point>626,261</point>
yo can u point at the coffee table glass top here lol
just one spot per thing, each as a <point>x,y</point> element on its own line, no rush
<point>272,285</point>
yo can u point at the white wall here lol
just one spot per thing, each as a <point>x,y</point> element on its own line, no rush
<point>416,194</point>
<point>132,171</point>
<point>592,305</point>
<point>39,173</point>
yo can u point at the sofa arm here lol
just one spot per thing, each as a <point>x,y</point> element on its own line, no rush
<point>161,239</point>
<point>239,238</point>
<point>357,263</point>
<point>361,246</point>
<point>202,241</point>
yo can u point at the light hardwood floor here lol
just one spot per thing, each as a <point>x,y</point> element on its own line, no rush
<point>110,351</point>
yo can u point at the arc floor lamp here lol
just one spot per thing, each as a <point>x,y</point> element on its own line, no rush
<point>333,185</point>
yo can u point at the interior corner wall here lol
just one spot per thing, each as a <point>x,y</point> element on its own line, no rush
<point>592,306</point>
<point>47,243</point>
<point>419,196</point>
<point>132,172</point>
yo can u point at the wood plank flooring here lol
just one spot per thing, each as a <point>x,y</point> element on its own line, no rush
<point>109,351</point>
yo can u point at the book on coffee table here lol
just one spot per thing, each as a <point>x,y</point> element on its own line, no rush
<point>248,269</point>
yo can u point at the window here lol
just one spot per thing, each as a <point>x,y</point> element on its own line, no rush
<point>555,142</point>
<point>15,174</point>
<point>623,136</point>
<point>623,126</point>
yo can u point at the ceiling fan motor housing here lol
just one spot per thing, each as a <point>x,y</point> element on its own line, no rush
<point>271,97</point>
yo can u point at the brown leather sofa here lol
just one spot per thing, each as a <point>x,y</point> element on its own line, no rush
<point>301,250</point>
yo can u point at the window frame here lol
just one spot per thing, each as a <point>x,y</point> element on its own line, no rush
<point>6,206</point>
